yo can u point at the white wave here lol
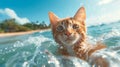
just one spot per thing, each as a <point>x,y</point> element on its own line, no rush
<point>113,33</point>
<point>18,44</point>
<point>36,40</point>
<point>45,30</point>
<point>79,63</point>
<point>52,59</point>
<point>111,57</point>
<point>107,23</point>
<point>91,39</point>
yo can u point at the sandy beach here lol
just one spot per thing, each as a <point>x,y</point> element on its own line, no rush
<point>19,33</point>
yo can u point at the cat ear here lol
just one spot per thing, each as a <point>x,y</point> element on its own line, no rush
<point>80,15</point>
<point>53,18</point>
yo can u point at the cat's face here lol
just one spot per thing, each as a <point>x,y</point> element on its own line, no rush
<point>69,30</point>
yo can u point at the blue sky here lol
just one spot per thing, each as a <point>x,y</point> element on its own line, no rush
<point>98,11</point>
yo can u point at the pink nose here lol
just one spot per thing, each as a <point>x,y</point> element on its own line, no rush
<point>68,33</point>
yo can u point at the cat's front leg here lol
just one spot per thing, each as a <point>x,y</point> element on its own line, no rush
<point>62,50</point>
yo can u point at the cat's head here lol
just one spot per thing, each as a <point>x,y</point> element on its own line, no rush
<point>69,30</point>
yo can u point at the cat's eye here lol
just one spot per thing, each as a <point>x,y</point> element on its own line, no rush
<point>60,28</point>
<point>75,26</point>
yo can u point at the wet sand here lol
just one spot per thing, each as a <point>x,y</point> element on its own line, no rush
<point>19,33</point>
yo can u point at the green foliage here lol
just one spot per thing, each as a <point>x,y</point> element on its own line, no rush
<point>1,31</point>
<point>36,25</point>
<point>29,25</point>
<point>11,25</point>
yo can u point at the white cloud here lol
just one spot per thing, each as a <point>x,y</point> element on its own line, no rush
<point>11,13</point>
<point>104,18</point>
<point>103,2</point>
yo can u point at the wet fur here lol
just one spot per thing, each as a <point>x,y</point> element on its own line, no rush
<point>80,48</point>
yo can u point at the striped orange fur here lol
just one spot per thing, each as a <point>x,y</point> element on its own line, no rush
<point>70,34</point>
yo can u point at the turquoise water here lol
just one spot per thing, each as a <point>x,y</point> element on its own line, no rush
<point>39,49</point>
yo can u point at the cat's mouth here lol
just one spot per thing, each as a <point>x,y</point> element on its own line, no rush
<point>72,40</point>
<point>69,39</point>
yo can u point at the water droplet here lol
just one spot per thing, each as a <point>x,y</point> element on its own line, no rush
<point>43,65</point>
<point>104,56</point>
<point>14,45</point>
<point>83,63</point>
<point>13,50</point>
<point>6,48</point>
<point>49,61</point>
<point>25,64</point>
<point>43,56</point>
<point>41,52</point>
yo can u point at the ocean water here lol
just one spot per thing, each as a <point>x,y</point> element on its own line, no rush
<point>40,50</point>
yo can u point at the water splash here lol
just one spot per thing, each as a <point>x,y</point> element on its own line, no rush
<point>39,50</point>
<point>41,57</point>
<point>111,56</point>
<point>112,33</point>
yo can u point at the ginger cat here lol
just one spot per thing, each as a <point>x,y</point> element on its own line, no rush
<point>70,34</point>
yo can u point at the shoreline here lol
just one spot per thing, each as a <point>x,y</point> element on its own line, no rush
<point>20,33</point>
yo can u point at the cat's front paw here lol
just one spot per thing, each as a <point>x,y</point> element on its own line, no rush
<point>98,61</point>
